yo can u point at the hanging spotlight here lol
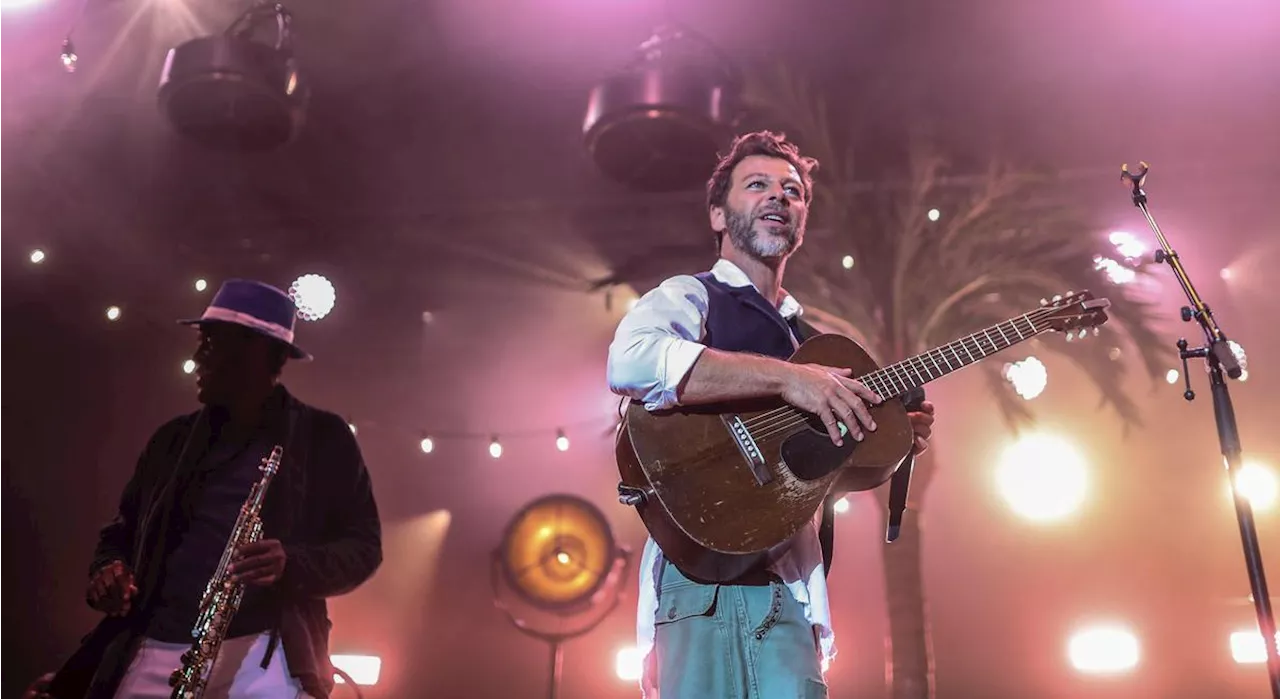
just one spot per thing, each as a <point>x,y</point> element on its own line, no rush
<point>201,285</point>
<point>229,92</point>
<point>495,447</point>
<point>427,444</point>
<point>562,441</point>
<point>657,124</point>
<point>69,57</point>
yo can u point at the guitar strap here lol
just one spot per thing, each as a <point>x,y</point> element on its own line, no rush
<point>899,483</point>
<point>827,527</point>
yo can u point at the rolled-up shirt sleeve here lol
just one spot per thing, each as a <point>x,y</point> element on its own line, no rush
<point>658,341</point>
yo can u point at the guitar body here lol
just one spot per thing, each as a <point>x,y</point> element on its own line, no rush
<point>725,486</point>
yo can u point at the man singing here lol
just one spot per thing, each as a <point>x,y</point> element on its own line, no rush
<point>321,533</point>
<point>725,335</point>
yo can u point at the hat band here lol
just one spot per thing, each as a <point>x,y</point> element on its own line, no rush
<point>226,314</point>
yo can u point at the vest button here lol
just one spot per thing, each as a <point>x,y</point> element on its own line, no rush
<point>671,613</point>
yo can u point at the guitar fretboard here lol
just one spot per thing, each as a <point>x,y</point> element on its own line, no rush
<point>897,379</point>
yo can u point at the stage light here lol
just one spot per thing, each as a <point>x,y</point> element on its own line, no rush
<point>1258,484</point>
<point>629,664</point>
<point>69,56</point>
<point>847,262</point>
<point>1127,244</point>
<point>1104,650</point>
<point>1247,647</point>
<point>201,285</point>
<point>228,91</point>
<point>113,313</point>
<point>1029,377</point>
<point>841,506</point>
<point>189,366</point>
<point>562,442</point>
<point>1171,376</point>
<point>17,4</point>
<point>556,552</point>
<point>313,295</point>
<point>427,445</point>
<point>1116,272</point>
<point>934,214</point>
<point>495,447</point>
<point>364,669</point>
<point>1042,477</point>
<point>658,124</point>
<point>37,256</point>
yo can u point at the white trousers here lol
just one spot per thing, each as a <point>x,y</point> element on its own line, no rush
<point>237,673</point>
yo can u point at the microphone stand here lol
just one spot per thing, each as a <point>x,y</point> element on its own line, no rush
<point>1218,355</point>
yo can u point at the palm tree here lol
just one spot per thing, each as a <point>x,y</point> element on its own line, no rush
<point>1000,243</point>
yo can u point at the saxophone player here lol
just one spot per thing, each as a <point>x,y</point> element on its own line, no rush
<point>321,533</point>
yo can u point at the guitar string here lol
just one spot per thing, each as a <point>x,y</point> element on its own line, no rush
<point>770,419</point>
<point>902,371</point>
<point>790,417</point>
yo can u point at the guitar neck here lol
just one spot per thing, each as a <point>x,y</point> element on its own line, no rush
<point>898,379</point>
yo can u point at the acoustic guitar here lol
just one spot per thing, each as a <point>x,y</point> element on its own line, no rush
<point>722,487</point>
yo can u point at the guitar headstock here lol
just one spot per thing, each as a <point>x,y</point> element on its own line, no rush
<point>1072,310</point>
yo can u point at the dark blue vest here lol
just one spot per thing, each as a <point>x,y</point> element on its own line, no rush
<point>739,319</point>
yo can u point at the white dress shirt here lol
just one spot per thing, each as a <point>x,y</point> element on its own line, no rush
<point>655,346</point>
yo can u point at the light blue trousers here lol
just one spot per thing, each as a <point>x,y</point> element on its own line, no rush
<point>733,642</point>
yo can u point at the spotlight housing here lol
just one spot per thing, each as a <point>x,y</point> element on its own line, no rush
<point>231,92</point>
<point>657,124</point>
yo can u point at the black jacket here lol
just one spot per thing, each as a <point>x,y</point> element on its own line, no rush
<point>320,506</point>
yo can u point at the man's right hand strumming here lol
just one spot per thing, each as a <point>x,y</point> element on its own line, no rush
<point>111,589</point>
<point>832,395</point>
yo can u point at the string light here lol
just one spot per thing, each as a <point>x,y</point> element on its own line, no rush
<point>426,441</point>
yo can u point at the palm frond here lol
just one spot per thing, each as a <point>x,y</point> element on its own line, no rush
<point>1000,244</point>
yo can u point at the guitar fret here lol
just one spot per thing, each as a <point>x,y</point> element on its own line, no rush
<point>901,377</point>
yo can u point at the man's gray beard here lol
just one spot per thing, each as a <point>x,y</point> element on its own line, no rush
<point>745,238</point>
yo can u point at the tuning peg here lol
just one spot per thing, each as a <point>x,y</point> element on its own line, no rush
<point>1057,298</point>
<point>1044,302</point>
<point>1070,293</point>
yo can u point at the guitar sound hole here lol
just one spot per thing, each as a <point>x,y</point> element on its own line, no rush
<point>810,455</point>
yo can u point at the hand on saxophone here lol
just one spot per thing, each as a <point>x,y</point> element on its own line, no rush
<point>259,563</point>
<point>111,589</point>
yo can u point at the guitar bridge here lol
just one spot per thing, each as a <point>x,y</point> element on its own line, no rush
<point>747,446</point>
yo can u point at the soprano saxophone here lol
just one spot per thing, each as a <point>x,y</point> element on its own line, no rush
<point>222,596</point>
